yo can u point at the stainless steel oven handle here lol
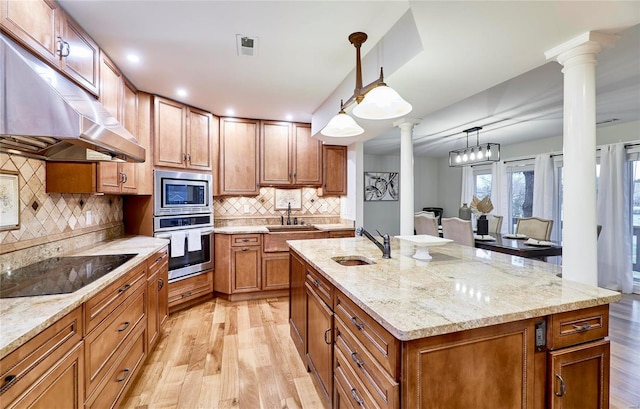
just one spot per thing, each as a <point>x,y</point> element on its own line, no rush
<point>168,235</point>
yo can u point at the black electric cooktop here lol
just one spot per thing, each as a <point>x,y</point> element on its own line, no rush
<point>58,275</point>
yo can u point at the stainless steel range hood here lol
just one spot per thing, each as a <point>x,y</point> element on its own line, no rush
<point>45,115</point>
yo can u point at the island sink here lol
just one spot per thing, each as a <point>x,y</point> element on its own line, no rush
<point>353,260</point>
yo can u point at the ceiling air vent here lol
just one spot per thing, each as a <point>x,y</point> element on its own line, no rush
<point>247,46</point>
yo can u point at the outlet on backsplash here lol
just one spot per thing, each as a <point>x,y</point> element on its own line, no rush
<point>247,209</point>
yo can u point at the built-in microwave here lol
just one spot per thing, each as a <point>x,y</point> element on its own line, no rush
<point>182,193</point>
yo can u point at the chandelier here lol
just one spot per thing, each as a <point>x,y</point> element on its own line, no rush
<point>375,101</point>
<point>475,155</point>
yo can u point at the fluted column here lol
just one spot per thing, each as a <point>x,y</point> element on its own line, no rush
<point>579,245</point>
<point>406,173</point>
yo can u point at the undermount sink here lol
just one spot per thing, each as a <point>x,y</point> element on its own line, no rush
<point>291,228</point>
<point>352,260</point>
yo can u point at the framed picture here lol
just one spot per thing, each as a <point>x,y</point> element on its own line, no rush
<point>381,186</point>
<point>9,200</point>
<point>285,196</point>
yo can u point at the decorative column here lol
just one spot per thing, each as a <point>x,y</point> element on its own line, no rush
<point>579,239</point>
<point>406,174</point>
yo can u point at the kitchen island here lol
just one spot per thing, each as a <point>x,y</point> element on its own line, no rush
<point>470,328</point>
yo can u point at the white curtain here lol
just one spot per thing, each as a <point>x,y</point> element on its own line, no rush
<point>467,191</point>
<point>500,194</point>
<point>543,187</point>
<point>614,215</point>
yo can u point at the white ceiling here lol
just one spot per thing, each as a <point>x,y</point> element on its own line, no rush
<point>480,63</point>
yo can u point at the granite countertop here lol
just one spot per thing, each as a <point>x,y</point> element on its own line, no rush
<point>22,318</point>
<point>460,288</point>
<point>263,229</point>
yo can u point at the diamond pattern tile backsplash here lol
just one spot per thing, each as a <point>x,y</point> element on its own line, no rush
<point>231,210</point>
<point>45,217</point>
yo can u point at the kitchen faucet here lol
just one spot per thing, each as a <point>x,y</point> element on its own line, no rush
<point>289,213</point>
<point>385,248</point>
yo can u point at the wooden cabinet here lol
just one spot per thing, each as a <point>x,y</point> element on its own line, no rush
<point>238,263</point>
<point>185,292</point>
<point>157,295</point>
<point>44,28</point>
<point>336,234</point>
<point>111,87</point>
<point>183,136</point>
<point>238,157</point>
<point>334,171</point>
<point>288,155</point>
<point>47,368</point>
<point>320,342</point>
<point>298,303</point>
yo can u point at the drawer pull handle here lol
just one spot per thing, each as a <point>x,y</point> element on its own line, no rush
<point>124,376</point>
<point>581,328</point>
<point>563,387</point>
<point>126,325</point>
<point>125,288</point>
<point>160,283</point>
<point>185,295</point>
<point>316,283</point>
<point>245,240</point>
<point>355,397</point>
<point>354,356</point>
<point>326,341</point>
<point>8,380</point>
<point>356,323</point>
<point>159,258</point>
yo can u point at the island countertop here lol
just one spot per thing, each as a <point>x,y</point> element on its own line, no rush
<point>22,318</point>
<point>461,288</point>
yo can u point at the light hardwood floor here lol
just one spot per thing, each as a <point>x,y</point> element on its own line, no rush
<point>222,355</point>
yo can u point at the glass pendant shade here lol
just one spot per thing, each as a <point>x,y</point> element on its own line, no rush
<point>382,102</point>
<point>342,125</point>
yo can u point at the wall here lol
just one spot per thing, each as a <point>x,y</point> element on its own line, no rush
<point>230,211</point>
<point>47,218</point>
<point>451,178</point>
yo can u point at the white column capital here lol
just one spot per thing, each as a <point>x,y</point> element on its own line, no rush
<point>407,123</point>
<point>590,42</point>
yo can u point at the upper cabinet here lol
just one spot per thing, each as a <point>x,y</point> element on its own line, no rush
<point>334,169</point>
<point>183,136</point>
<point>44,28</point>
<point>238,157</point>
<point>288,155</point>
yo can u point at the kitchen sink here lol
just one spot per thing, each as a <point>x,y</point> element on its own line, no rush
<point>352,260</point>
<point>291,228</point>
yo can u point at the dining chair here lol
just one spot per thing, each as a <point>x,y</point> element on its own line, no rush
<point>534,227</point>
<point>458,230</point>
<point>495,223</point>
<point>425,224</point>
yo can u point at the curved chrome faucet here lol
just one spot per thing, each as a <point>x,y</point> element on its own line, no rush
<point>384,247</point>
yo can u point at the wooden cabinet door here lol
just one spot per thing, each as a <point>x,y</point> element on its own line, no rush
<point>238,157</point>
<point>579,376</point>
<point>111,87</point>
<point>245,269</point>
<point>169,133</point>
<point>199,139</point>
<point>276,168</point>
<point>80,54</point>
<point>298,304</point>
<point>320,342</point>
<point>153,319</point>
<point>163,295</point>
<point>109,177</point>
<point>334,175</point>
<point>275,271</point>
<point>308,156</point>
<point>130,108</point>
<point>34,24</point>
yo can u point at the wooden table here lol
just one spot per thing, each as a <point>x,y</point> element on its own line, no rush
<point>517,247</point>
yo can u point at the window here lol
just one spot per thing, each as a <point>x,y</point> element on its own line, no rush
<point>520,194</point>
<point>635,217</point>
<point>482,184</point>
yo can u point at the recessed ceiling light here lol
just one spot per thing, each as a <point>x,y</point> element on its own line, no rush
<point>289,117</point>
<point>181,92</point>
<point>230,112</point>
<point>133,58</point>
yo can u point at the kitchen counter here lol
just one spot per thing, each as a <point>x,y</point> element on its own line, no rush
<point>263,229</point>
<point>24,317</point>
<point>461,288</point>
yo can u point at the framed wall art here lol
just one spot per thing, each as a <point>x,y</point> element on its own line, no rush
<point>381,186</point>
<point>9,200</point>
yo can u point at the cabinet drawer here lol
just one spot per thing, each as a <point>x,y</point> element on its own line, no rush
<point>190,288</point>
<point>349,391</point>
<point>111,390</point>
<point>275,242</point>
<point>106,301</point>
<point>383,389</point>
<point>336,234</point>
<point>320,285</point>
<point>246,240</point>
<point>25,365</point>
<point>375,339</point>
<point>102,345</point>
<point>575,327</point>
<point>157,261</point>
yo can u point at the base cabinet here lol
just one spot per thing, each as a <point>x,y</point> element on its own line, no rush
<point>320,342</point>
<point>183,293</point>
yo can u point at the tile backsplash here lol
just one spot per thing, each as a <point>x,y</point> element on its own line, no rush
<point>48,217</point>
